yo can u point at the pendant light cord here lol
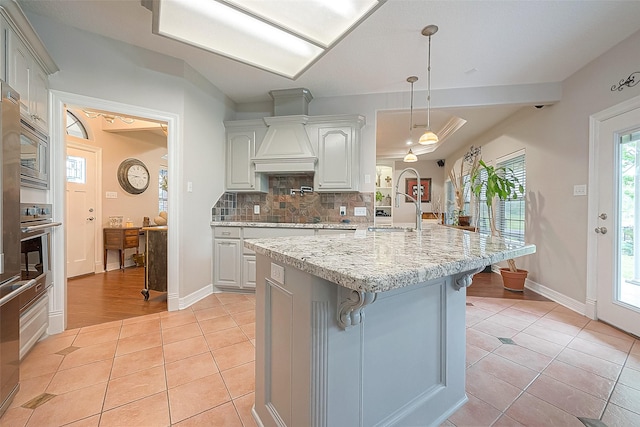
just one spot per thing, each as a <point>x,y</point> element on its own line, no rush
<point>429,87</point>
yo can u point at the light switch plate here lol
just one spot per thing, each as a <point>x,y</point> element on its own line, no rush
<point>277,273</point>
<point>360,211</point>
<point>111,195</point>
<point>580,190</point>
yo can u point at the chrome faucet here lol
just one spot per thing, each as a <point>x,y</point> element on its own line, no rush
<point>413,199</point>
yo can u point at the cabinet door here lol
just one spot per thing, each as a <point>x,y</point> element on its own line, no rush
<point>249,271</point>
<point>19,64</point>
<point>240,150</point>
<point>226,264</point>
<point>335,159</point>
<point>38,91</point>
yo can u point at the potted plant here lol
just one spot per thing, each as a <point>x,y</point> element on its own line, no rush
<point>468,168</point>
<point>379,197</point>
<point>499,183</point>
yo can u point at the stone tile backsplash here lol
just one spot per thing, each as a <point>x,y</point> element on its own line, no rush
<point>278,205</point>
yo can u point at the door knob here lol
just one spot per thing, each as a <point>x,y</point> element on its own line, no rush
<point>602,216</point>
<point>90,218</point>
<point>601,230</point>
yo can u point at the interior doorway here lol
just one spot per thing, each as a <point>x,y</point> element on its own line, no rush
<point>165,124</point>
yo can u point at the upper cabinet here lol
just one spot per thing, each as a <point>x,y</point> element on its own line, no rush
<point>25,64</point>
<point>241,173</point>
<point>338,145</point>
<point>334,160</point>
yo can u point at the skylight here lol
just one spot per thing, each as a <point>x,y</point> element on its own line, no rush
<point>284,37</point>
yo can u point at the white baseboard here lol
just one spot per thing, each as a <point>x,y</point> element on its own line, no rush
<point>194,297</point>
<point>556,296</point>
<point>56,322</point>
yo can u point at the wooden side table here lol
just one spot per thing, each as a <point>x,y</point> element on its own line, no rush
<point>120,239</point>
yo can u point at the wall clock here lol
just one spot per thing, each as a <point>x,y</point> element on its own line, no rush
<point>133,176</point>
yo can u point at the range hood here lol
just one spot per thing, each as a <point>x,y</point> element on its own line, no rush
<point>286,147</point>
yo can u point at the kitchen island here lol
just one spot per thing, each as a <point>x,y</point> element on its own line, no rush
<point>365,328</point>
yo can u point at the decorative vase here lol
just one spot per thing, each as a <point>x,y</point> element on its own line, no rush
<point>464,220</point>
<point>513,280</point>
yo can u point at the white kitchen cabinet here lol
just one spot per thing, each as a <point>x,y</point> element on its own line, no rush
<point>234,266</point>
<point>249,271</point>
<point>240,148</point>
<point>26,65</point>
<point>226,263</point>
<point>338,142</point>
<point>31,82</point>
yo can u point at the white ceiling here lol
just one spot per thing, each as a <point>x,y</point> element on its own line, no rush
<point>479,44</point>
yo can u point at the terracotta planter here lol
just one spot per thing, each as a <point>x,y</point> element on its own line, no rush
<point>513,281</point>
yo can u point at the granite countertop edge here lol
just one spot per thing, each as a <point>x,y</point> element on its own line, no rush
<point>358,268</point>
<point>320,225</point>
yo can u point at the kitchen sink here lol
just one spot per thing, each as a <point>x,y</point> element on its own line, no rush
<point>390,229</point>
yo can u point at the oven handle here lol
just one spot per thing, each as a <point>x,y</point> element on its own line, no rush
<point>18,288</point>
<point>41,227</point>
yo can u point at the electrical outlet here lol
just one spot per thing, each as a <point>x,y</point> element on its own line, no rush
<point>361,211</point>
<point>277,273</point>
<point>343,210</point>
<point>256,209</point>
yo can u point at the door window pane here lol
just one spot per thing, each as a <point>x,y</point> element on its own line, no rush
<point>76,170</point>
<point>628,239</point>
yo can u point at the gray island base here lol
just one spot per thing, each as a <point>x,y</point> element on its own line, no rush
<point>365,329</point>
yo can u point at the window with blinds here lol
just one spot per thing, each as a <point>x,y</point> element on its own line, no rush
<point>510,214</point>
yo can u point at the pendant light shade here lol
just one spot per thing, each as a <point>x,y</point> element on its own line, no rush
<point>429,137</point>
<point>410,157</point>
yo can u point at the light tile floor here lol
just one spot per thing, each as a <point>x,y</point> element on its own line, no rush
<point>196,368</point>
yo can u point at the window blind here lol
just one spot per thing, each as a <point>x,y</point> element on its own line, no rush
<point>510,214</point>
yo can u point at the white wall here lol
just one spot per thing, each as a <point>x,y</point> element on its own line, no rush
<point>556,141</point>
<point>102,68</point>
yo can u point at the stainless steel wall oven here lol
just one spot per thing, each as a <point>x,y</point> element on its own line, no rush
<point>34,157</point>
<point>35,251</point>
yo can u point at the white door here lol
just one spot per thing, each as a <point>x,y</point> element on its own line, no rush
<point>81,211</point>
<point>618,222</point>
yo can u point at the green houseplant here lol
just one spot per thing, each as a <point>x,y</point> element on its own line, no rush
<point>499,183</point>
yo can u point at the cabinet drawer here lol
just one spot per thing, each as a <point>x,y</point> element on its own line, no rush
<point>112,239</point>
<point>129,233</point>
<point>227,232</point>
<point>131,241</point>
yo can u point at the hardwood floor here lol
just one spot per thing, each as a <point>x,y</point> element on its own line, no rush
<point>490,285</point>
<point>114,295</point>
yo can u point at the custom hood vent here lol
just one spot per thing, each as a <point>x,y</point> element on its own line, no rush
<point>286,147</point>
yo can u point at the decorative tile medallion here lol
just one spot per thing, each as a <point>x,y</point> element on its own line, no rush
<point>67,350</point>
<point>38,400</point>
<point>507,341</point>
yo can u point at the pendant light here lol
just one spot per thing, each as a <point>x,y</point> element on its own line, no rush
<point>429,137</point>
<point>410,157</point>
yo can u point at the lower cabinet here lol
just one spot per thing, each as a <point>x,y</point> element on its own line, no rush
<point>226,261</point>
<point>33,325</point>
<point>234,266</point>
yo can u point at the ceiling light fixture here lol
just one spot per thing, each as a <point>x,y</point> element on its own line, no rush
<point>278,38</point>
<point>429,137</point>
<point>410,157</point>
<point>108,117</point>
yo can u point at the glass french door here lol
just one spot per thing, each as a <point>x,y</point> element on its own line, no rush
<point>618,223</point>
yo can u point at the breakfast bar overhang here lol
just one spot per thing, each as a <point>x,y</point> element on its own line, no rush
<point>366,328</point>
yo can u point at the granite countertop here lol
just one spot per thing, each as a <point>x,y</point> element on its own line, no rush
<point>337,226</point>
<point>382,261</point>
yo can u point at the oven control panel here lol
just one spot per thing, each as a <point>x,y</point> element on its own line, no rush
<point>34,212</point>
